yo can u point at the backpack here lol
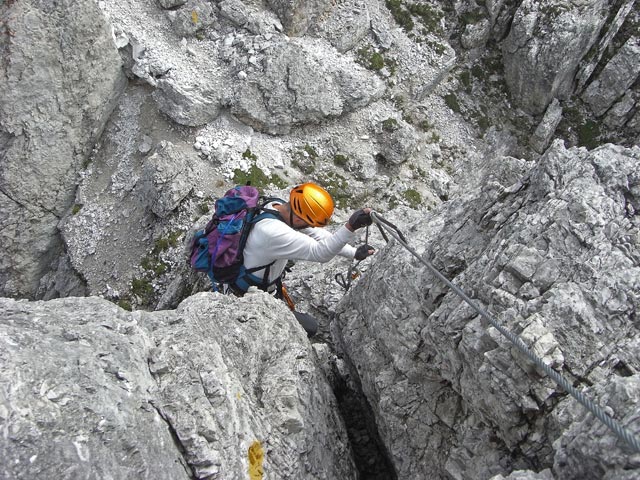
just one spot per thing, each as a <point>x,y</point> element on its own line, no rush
<point>218,249</point>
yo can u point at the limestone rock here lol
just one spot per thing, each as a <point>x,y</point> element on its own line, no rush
<point>85,382</point>
<point>547,127</point>
<point>526,475</point>
<point>616,77</point>
<point>398,145</point>
<point>194,16</point>
<point>345,24</point>
<point>553,254</point>
<point>476,34</point>
<point>576,458</point>
<point>206,390</point>
<point>59,82</point>
<point>193,102</point>
<point>604,44</point>
<point>619,113</point>
<point>299,85</point>
<point>171,3</point>
<point>298,15</point>
<point>235,11</point>
<point>112,226</point>
<point>546,43</point>
<point>166,180</point>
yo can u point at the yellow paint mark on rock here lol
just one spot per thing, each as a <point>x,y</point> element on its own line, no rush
<point>194,16</point>
<point>256,456</point>
<point>239,395</point>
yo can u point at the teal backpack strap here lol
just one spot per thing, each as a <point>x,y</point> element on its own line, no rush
<point>247,278</point>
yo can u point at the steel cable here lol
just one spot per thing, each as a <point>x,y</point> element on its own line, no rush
<point>599,413</point>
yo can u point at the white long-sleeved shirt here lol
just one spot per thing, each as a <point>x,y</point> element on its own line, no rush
<point>272,240</point>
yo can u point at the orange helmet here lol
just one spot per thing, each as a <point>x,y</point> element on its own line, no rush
<point>312,203</point>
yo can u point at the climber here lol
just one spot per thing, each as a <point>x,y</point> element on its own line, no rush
<point>295,235</point>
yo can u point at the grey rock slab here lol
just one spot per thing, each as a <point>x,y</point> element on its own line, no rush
<point>546,43</point>
<point>619,114</point>
<point>78,396</point>
<point>551,251</point>
<point>173,394</point>
<point>615,78</point>
<point>546,128</point>
<point>589,64</point>
<point>58,85</point>
<point>303,81</point>
<point>297,16</point>
<point>166,179</point>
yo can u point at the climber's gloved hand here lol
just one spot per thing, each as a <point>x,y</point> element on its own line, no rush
<point>363,251</point>
<point>360,218</point>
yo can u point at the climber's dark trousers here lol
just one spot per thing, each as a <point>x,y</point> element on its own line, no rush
<point>309,323</point>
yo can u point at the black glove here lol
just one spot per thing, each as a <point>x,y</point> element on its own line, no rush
<point>359,219</point>
<point>362,252</point>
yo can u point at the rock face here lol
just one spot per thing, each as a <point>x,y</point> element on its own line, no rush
<point>616,77</point>
<point>553,253</point>
<point>298,86</point>
<point>547,127</point>
<point>59,80</point>
<point>219,388</point>
<point>344,25</point>
<point>166,180</point>
<point>546,43</point>
<point>298,15</point>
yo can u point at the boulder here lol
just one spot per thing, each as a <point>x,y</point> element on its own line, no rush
<point>193,17</point>
<point>399,143</point>
<point>167,178</point>
<point>297,16</point>
<point>221,387</point>
<point>303,81</point>
<point>58,84</point>
<point>476,34</point>
<point>546,43</point>
<point>192,102</point>
<point>235,11</point>
<point>345,25</point>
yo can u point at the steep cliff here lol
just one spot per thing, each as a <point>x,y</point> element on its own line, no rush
<point>553,252</point>
<point>60,76</point>
<point>218,388</point>
<point>501,136</point>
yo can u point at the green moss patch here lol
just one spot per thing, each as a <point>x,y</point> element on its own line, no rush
<point>256,177</point>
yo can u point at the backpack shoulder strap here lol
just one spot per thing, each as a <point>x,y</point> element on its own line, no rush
<point>263,212</point>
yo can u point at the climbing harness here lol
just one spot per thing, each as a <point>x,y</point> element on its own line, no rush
<point>618,429</point>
